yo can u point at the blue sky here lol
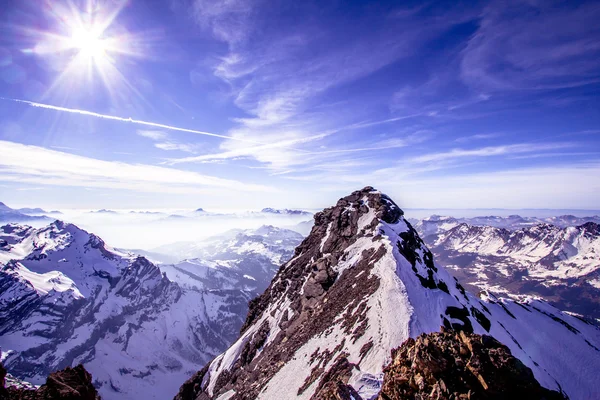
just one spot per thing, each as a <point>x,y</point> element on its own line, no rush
<point>245,104</point>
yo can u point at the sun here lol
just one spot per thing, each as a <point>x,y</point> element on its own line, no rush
<point>88,43</point>
<point>89,46</point>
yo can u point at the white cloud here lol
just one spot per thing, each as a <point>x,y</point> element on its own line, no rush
<point>154,135</point>
<point>186,147</point>
<point>479,136</point>
<point>37,165</point>
<point>490,151</point>
<point>166,143</point>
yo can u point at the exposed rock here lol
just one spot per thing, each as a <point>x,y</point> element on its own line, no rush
<point>459,365</point>
<point>69,384</point>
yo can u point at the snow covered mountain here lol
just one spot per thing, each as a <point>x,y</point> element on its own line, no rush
<point>236,260</point>
<point>437,224</point>
<point>560,264</point>
<point>357,287</point>
<point>284,211</point>
<point>68,298</point>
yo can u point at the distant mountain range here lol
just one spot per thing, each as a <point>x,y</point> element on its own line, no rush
<point>284,211</point>
<point>245,259</point>
<point>435,224</point>
<point>8,214</point>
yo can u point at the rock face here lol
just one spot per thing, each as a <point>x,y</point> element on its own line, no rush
<point>561,265</point>
<point>69,384</point>
<point>458,365</point>
<point>360,285</point>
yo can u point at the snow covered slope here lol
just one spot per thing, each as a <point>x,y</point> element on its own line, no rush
<point>68,298</point>
<point>358,286</point>
<point>560,264</point>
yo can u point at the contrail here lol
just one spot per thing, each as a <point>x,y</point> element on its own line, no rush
<point>130,120</point>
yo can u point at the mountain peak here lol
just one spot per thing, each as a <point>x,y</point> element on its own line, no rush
<point>358,286</point>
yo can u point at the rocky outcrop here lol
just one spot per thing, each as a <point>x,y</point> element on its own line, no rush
<point>68,384</point>
<point>459,365</point>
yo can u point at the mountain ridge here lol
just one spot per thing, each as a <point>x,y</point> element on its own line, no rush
<point>358,286</point>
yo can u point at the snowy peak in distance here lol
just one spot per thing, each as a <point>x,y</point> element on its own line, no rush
<point>37,211</point>
<point>235,260</point>
<point>358,286</point>
<point>267,240</point>
<point>284,211</point>
<point>103,211</point>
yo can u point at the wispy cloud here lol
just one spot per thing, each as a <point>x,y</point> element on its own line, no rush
<point>477,137</point>
<point>166,142</point>
<point>509,53</point>
<point>490,151</point>
<point>64,148</point>
<point>154,135</point>
<point>185,147</point>
<point>276,77</point>
<point>41,166</point>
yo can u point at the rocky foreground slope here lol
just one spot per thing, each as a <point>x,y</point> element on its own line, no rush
<point>360,285</point>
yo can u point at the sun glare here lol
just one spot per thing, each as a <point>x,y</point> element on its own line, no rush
<point>88,43</point>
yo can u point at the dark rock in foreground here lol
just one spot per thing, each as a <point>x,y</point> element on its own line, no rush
<point>459,365</point>
<point>70,383</point>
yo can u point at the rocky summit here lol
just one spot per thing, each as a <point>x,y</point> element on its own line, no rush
<point>361,284</point>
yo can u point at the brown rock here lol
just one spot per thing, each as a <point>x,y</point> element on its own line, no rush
<point>451,365</point>
<point>69,383</point>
